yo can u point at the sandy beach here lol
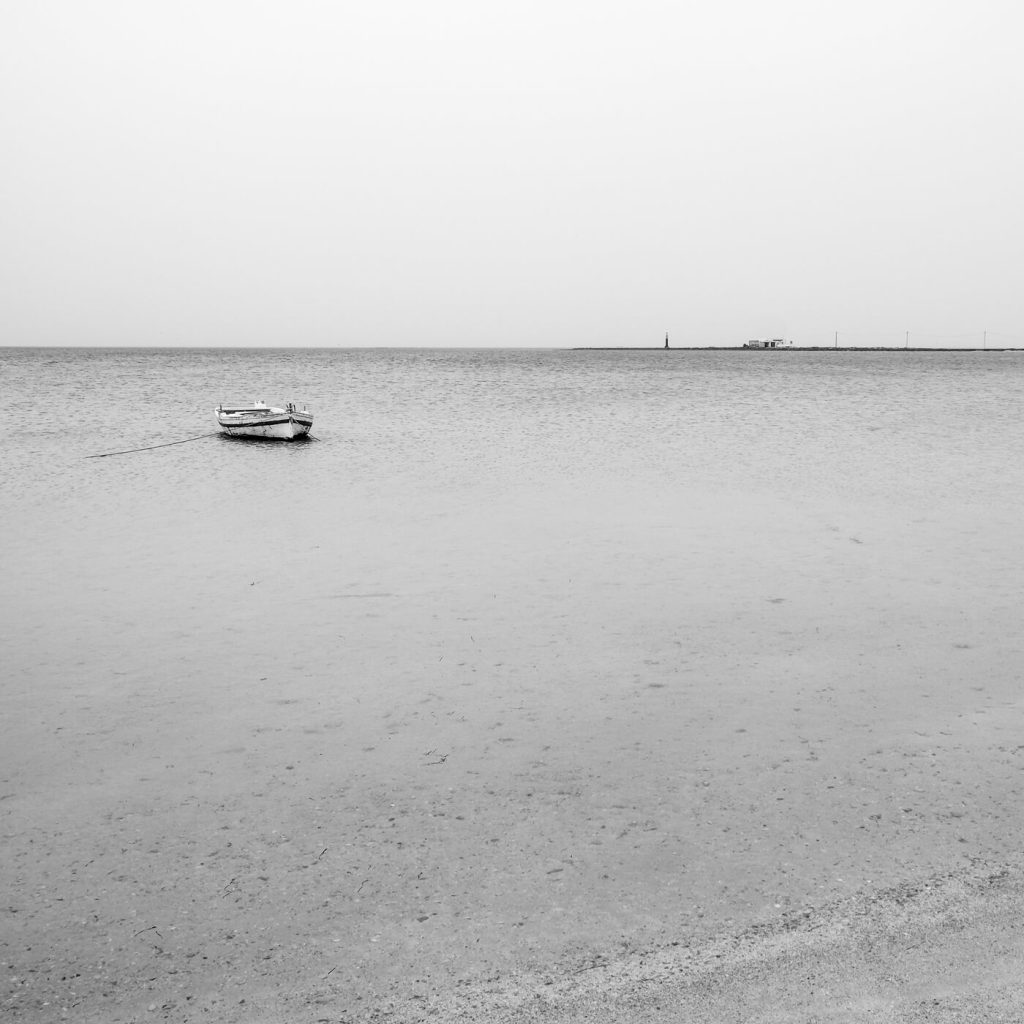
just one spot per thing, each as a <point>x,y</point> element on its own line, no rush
<point>947,950</point>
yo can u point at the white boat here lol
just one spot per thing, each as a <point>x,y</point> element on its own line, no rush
<point>261,420</point>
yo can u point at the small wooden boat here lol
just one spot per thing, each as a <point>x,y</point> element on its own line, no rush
<point>261,420</point>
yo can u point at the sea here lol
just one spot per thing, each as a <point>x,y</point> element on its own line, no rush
<point>528,660</point>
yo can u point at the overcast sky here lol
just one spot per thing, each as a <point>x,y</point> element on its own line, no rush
<point>553,173</point>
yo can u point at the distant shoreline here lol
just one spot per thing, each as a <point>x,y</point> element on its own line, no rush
<point>773,351</point>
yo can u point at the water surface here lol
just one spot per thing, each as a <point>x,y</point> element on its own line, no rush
<point>533,657</point>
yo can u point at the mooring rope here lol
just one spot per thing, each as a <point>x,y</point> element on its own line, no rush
<point>149,447</point>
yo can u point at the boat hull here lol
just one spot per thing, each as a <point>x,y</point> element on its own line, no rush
<point>263,422</point>
<point>280,430</point>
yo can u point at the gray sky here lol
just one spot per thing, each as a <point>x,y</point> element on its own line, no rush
<point>304,172</point>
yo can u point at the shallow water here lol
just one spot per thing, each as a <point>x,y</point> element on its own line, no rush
<point>532,657</point>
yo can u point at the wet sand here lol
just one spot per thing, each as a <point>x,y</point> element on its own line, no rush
<point>944,949</point>
<point>535,764</point>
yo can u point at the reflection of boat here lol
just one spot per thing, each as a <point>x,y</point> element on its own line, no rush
<point>260,420</point>
<point>767,343</point>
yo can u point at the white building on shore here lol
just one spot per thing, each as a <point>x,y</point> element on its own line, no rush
<point>767,343</point>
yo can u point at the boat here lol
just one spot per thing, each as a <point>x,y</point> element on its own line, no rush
<point>262,420</point>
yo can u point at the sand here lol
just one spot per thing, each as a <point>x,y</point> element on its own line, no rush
<point>944,950</point>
